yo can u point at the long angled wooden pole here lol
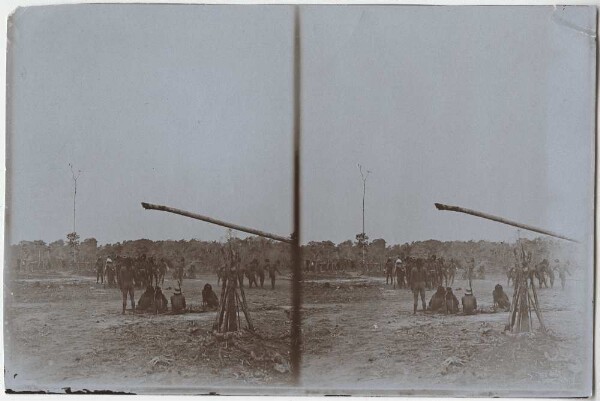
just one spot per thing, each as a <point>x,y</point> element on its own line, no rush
<point>296,332</point>
<point>150,206</point>
<point>502,220</point>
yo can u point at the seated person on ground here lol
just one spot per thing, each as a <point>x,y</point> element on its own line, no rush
<point>178,301</point>
<point>160,301</point>
<point>469,303</point>
<point>438,300</point>
<point>451,301</point>
<point>501,300</point>
<point>209,298</point>
<point>146,302</point>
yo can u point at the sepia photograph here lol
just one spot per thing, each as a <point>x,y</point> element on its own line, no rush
<point>370,200</point>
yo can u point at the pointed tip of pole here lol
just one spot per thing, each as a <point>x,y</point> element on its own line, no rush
<point>145,205</point>
<point>296,20</point>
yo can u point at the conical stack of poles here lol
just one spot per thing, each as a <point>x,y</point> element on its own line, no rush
<point>520,314</point>
<point>232,299</point>
<point>525,301</point>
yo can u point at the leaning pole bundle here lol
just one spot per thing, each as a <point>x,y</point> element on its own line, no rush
<point>525,298</point>
<point>232,298</point>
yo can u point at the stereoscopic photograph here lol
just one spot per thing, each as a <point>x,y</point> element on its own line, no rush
<point>377,200</point>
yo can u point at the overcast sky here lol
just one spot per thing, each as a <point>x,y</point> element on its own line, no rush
<point>490,108</point>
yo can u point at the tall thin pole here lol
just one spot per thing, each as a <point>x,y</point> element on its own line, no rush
<point>296,339</point>
<point>363,222</point>
<point>363,240</point>
<point>75,178</point>
<point>74,197</point>
<point>363,205</point>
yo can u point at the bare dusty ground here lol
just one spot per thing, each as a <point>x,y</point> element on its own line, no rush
<point>360,337</point>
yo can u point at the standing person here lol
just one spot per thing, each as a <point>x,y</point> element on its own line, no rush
<point>180,267</point>
<point>409,264</point>
<point>451,271</point>
<point>431,272</point>
<point>418,278</point>
<point>443,272</point>
<point>141,277</point>
<point>261,271</point>
<point>481,272</point>
<point>126,281</point>
<point>152,271</point>
<point>241,272</point>
<point>509,271</point>
<point>470,269</point>
<point>118,265</point>
<point>389,267</point>
<point>220,274</point>
<point>400,272</point>
<point>163,268</point>
<point>108,272</point>
<point>562,272</point>
<point>437,276</point>
<point>192,271</point>
<point>251,273</point>
<point>272,269</point>
<point>99,271</point>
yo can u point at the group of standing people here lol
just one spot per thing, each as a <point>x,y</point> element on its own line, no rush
<point>421,274</point>
<point>437,271</point>
<point>145,270</point>
<point>255,273</point>
<point>128,273</point>
<point>443,300</point>
<point>544,272</point>
<point>153,299</point>
<point>329,265</point>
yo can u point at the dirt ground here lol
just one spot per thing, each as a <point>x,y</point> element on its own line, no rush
<point>67,333</point>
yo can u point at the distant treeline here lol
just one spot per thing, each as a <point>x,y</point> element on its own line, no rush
<point>208,255</point>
